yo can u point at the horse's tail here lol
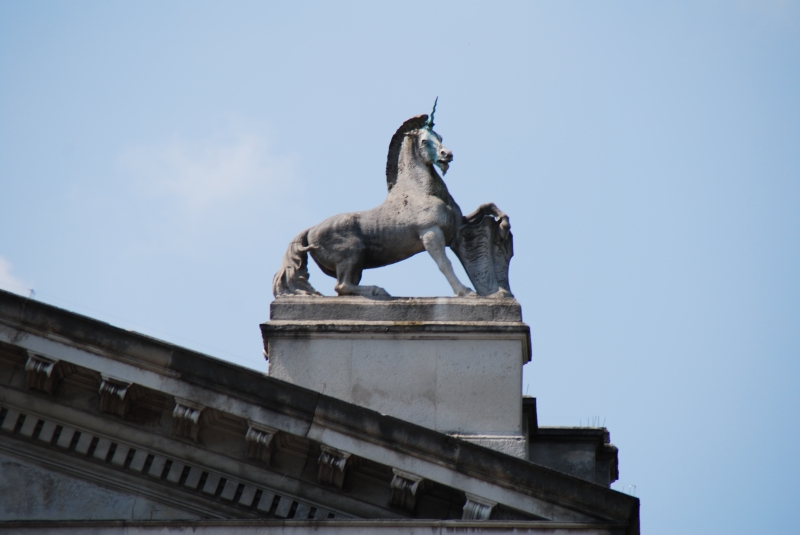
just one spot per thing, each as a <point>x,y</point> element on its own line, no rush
<point>292,277</point>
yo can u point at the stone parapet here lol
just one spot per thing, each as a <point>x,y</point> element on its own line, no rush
<point>584,452</point>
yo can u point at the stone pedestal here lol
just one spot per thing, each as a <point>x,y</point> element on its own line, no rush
<point>449,364</point>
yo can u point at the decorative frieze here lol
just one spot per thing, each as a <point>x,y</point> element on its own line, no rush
<point>477,508</point>
<point>145,463</point>
<point>404,489</point>
<point>260,442</point>
<point>43,373</point>
<point>186,418</point>
<point>332,466</point>
<point>115,396</point>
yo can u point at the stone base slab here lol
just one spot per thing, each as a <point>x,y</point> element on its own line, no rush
<point>358,309</point>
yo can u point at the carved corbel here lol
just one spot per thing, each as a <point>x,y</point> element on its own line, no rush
<point>477,508</point>
<point>186,418</point>
<point>260,442</point>
<point>332,466</point>
<point>115,395</point>
<point>404,489</point>
<point>44,373</point>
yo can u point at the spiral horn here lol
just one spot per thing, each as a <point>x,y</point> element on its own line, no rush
<point>429,122</point>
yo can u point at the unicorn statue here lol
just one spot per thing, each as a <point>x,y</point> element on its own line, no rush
<point>419,214</point>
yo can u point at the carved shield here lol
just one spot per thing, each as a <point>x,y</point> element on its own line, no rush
<point>485,251</point>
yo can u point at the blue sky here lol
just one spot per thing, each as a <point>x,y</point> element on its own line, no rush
<point>157,157</point>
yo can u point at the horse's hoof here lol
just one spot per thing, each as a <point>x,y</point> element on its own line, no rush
<point>467,292</point>
<point>377,291</point>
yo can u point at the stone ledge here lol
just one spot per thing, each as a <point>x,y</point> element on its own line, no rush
<point>349,527</point>
<point>398,329</point>
<point>597,435</point>
<point>282,329</point>
<point>338,326</point>
<point>415,309</point>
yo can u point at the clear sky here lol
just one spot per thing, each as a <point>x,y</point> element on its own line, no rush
<point>157,157</point>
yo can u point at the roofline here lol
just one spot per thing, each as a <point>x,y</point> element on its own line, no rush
<point>33,316</point>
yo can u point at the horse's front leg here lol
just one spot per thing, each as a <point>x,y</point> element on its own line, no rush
<point>433,240</point>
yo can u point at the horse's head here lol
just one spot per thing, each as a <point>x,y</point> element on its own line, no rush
<point>431,150</point>
<point>426,145</point>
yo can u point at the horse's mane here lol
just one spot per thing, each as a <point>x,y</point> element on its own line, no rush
<point>393,157</point>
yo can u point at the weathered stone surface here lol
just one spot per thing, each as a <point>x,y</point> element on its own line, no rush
<point>584,452</point>
<point>29,492</point>
<point>313,527</point>
<point>419,214</point>
<point>186,418</point>
<point>463,386</point>
<point>115,397</point>
<point>332,466</point>
<point>478,508</point>
<point>402,309</point>
<point>450,364</point>
<point>260,442</point>
<point>405,486</point>
<point>43,373</point>
<point>514,445</point>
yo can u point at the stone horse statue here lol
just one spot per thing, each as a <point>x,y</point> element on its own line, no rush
<point>418,214</point>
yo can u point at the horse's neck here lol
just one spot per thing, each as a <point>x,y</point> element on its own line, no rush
<point>413,175</point>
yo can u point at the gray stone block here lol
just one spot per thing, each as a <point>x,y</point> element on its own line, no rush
<point>65,438</point>
<point>265,503</point>
<point>29,426</point>
<point>46,434</point>
<point>229,490</point>
<point>10,421</point>
<point>84,442</point>
<point>449,364</point>
<point>157,467</point>
<point>302,511</point>
<point>175,472</point>
<point>193,479</point>
<point>101,450</point>
<point>358,309</point>
<point>284,506</point>
<point>139,458</point>
<point>120,455</point>
<point>212,482</point>
<point>248,493</point>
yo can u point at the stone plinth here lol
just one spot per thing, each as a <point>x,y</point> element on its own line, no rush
<point>449,364</point>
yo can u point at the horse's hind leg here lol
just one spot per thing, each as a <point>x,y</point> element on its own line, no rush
<point>348,276</point>
<point>433,240</point>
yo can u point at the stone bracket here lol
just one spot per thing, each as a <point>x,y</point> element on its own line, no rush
<point>332,466</point>
<point>477,508</point>
<point>260,441</point>
<point>45,373</point>
<point>186,418</point>
<point>404,489</point>
<point>115,395</point>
